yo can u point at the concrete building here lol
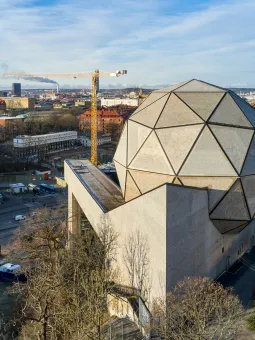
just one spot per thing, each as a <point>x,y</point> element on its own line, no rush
<point>119,101</point>
<point>11,122</point>
<point>50,138</point>
<point>39,145</point>
<point>186,167</point>
<point>19,102</point>
<point>16,89</point>
<point>2,105</point>
<point>101,139</point>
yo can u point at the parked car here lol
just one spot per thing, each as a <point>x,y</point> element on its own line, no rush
<point>10,271</point>
<point>19,217</point>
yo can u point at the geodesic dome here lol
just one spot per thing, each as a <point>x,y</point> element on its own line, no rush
<point>193,134</point>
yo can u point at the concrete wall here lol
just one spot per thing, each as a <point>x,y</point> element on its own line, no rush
<point>146,213</point>
<point>194,245</point>
<point>90,208</point>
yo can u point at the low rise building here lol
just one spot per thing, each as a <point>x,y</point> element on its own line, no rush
<point>19,102</point>
<point>36,147</point>
<point>9,122</point>
<point>2,105</point>
<point>113,101</point>
<point>101,139</point>
<point>17,188</point>
<point>50,138</point>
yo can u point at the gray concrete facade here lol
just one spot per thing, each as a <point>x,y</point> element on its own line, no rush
<point>182,239</point>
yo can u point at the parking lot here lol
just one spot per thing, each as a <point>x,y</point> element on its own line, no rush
<point>22,205</point>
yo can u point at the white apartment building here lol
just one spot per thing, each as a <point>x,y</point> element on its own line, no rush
<point>101,139</point>
<point>23,141</point>
<point>119,101</point>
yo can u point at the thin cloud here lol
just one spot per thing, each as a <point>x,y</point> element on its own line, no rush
<point>212,43</point>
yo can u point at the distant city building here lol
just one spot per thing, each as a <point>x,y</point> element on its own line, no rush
<point>3,94</point>
<point>81,103</point>
<point>49,95</point>
<point>19,102</point>
<point>57,106</point>
<point>107,119</point>
<point>44,106</point>
<point>101,139</point>
<point>16,89</point>
<point>9,122</point>
<point>2,105</point>
<point>119,101</point>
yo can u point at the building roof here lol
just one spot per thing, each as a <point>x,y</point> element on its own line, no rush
<point>17,185</point>
<point>47,134</point>
<point>11,118</point>
<point>103,190</point>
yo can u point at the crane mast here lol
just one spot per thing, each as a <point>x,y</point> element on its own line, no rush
<point>95,80</point>
<point>94,117</point>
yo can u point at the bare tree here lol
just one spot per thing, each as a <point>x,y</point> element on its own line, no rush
<point>65,296</point>
<point>196,309</point>
<point>136,259</point>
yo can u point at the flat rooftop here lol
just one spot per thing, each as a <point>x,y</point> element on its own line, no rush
<point>5,117</point>
<point>103,190</point>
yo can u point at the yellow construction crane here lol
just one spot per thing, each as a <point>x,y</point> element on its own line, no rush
<point>95,81</point>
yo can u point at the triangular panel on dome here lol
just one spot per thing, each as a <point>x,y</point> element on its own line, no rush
<point>247,109</point>
<point>151,157</point>
<point>131,189</point>
<point>217,186</point>
<point>121,152</point>
<point>207,159</point>
<point>229,113</point>
<point>199,86</point>
<point>248,183</point>
<point>225,226</point>
<point>122,173</point>
<point>177,113</point>
<point>233,205</point>
<point>137,134</point>
<point>202,103</point>
<point>153,97</point>
<point>172,87</point>
<point>149,115</point>
<point>149,180</point>
<point>237,230</point>
<point>249,163</point>
<point>177,181</point>
<point>234,141</point>
<point>177,142</point>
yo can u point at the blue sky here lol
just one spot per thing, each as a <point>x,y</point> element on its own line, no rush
<point>157,41</point>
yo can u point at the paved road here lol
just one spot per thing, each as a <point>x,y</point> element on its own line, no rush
<point>243,281</point>
<point>23,205</point>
